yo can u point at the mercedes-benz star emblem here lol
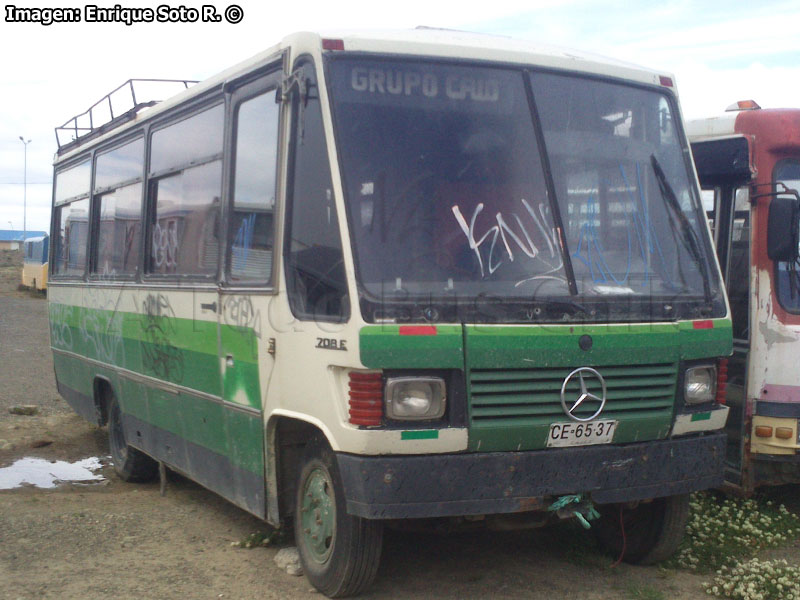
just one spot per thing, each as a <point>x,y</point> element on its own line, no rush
<point>584,395</point>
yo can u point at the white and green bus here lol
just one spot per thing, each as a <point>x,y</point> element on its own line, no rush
<point>360,279</point>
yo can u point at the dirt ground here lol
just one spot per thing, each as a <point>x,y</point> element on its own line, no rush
<point>114,539</point>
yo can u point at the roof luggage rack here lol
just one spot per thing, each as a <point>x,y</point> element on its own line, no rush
<point>117,107</point>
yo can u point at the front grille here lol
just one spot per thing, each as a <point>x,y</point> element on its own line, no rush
<point>533,396</point>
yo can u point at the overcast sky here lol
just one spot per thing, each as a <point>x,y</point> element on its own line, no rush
<point>719,51</point>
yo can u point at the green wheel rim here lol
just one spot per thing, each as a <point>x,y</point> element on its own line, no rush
<point>318,515</point>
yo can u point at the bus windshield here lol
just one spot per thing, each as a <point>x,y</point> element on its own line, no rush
<point>517,195</point>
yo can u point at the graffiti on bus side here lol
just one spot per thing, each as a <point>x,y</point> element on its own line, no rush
<point>159,355</point>
<point>101,326</point>
<point>165,245</point>
<point>60,332</point>
<point>238,312</point>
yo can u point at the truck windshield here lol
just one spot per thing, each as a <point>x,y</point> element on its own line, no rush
<point>504,195</point>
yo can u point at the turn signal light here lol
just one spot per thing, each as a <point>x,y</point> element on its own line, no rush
<point>784,433</point>
<point>366,398</point>
<point>722,380</point>
<point>743,105</point>
<point>763,431</point>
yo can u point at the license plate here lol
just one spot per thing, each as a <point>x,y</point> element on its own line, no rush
<point>580,434</point>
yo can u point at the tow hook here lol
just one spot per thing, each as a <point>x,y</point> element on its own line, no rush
<point>575,505</point>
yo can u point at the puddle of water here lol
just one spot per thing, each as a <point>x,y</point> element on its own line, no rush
<point>48,474</point>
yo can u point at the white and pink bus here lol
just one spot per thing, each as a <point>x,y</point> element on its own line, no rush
<point>748,163</point>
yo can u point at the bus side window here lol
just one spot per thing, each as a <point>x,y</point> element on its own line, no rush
<point>71,219</point>
<point>117,210</point>
<point>72,235</point>
<point>184,196</point>
<point>252,235</point>
<point>315,275</point>
<point>118,230</point>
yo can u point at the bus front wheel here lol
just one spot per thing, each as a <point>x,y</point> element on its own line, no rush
<point>130,464</point>
<point>339,552</point>
<point>646,533</point>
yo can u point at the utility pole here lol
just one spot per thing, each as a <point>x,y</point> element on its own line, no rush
<point>25,192</point>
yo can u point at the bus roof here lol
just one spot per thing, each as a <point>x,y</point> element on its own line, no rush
<point>428,42</point>
<point>33,240</point>
<point>784,123</point>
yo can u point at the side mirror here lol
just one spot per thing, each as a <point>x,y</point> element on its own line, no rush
<point>294,83</point>
<point>783,229</point>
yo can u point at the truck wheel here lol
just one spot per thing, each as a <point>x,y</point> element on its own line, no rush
<point>653,530</point>
<point>340,553</point>
<point>130,464</point>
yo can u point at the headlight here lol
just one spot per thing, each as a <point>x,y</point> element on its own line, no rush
<point>415,398</point>
<point>700,385</point>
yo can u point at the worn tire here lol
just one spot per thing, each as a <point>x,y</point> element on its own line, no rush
<point>653,530</point>
<point>130,464</point>
<point>340,553</point>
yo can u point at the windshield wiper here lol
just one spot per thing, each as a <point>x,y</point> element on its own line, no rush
<point>689,236</point>
<point>526,309</point>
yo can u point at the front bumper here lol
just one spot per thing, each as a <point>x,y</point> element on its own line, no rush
<point>397,487</point>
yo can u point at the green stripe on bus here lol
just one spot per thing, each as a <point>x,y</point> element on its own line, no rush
<point>522,346</point>
<point>179,351</point>
<point>383,347</point>
<point>420,434</point>
<point>227,431</point>
<point>635,343</point>
<point>701,417</point>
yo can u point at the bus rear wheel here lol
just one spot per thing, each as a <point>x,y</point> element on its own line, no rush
<point>647,533</point>
<point>340,553</point>
<point>130,464</point>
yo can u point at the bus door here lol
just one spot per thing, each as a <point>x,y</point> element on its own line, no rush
<point>246,338</point>
<point>723,167</point>
<point>737,270</point>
